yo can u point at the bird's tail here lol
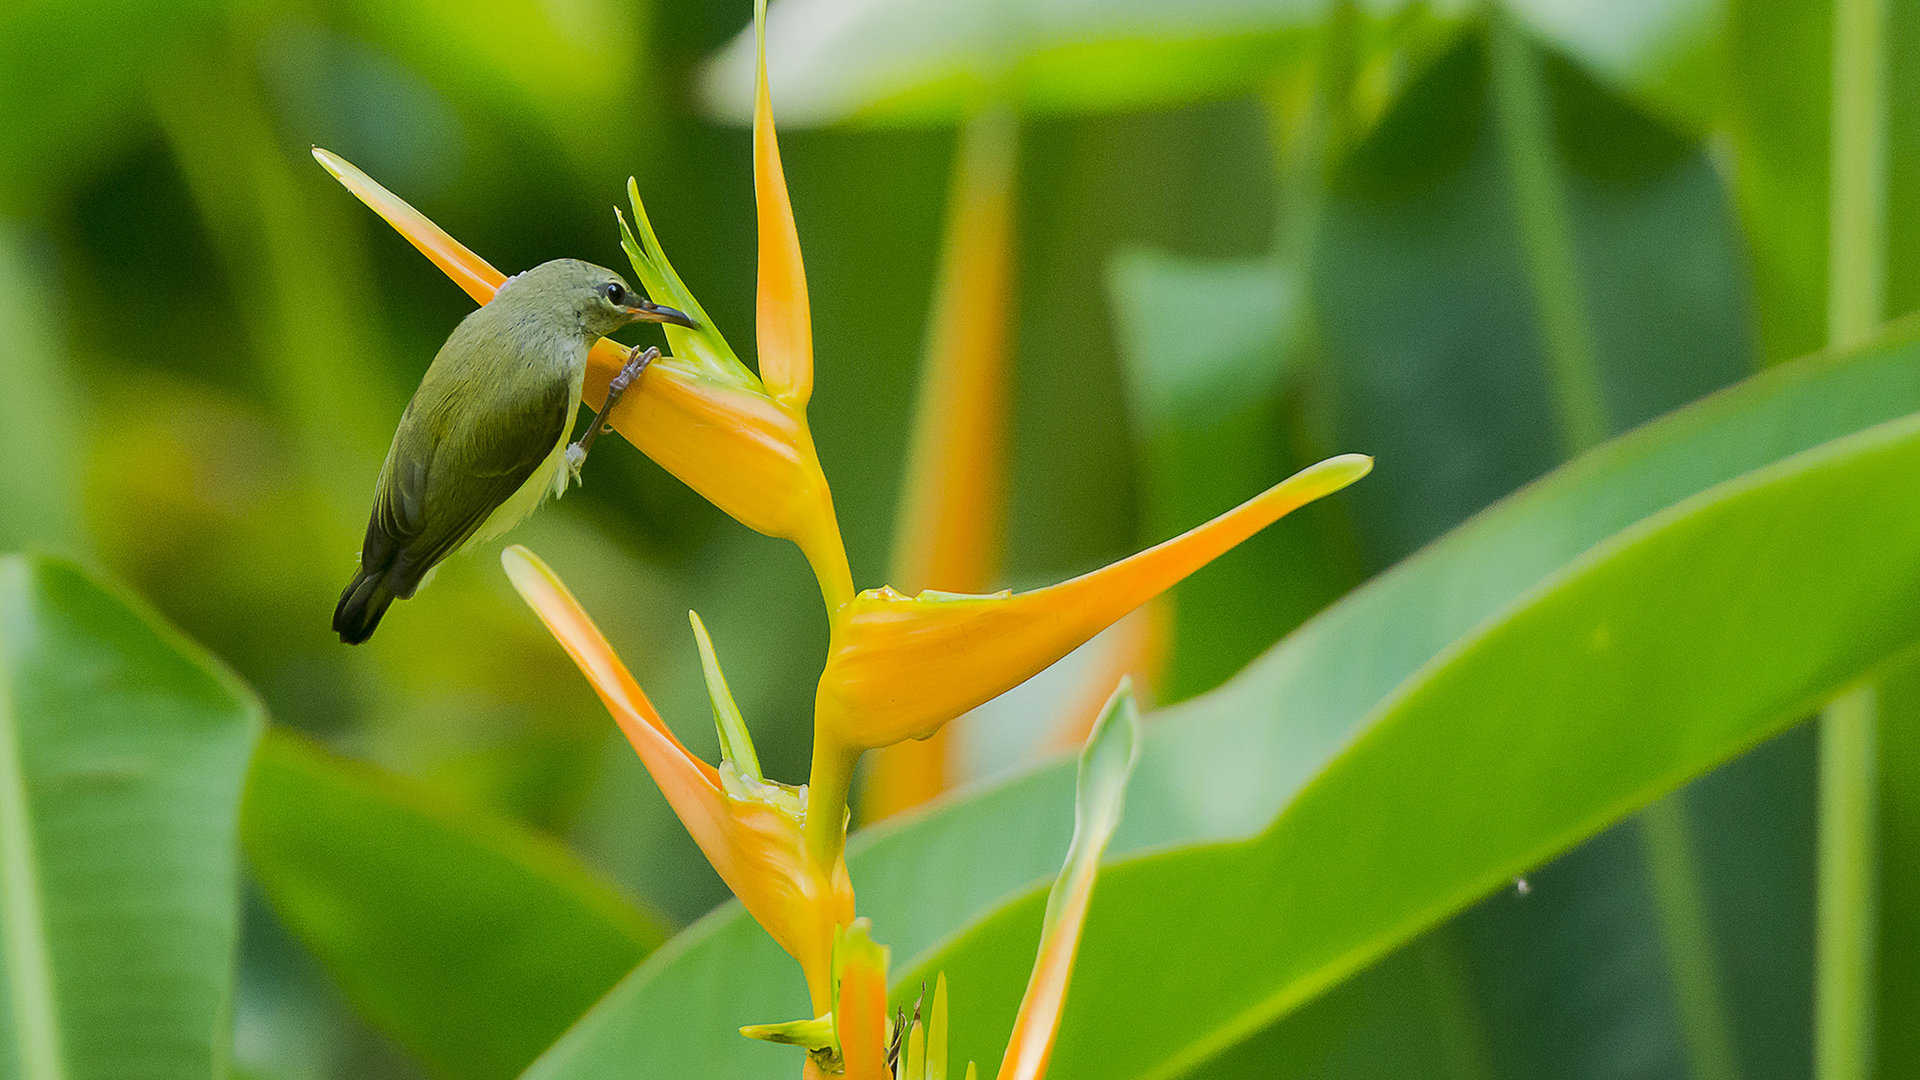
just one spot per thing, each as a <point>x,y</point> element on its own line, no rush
<point>362,603</point>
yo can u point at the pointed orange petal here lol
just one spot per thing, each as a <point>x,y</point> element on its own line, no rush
<point>691,786</point>
<point>860,1009</point>
<point>469,271</point>
<point>899,666</point>
<point>1105,764</point>
<point>782,316</point>
<point>754,844</point>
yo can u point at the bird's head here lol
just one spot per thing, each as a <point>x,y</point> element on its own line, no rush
<point>592,299</point>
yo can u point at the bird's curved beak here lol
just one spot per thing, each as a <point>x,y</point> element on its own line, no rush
<point>648,311</point>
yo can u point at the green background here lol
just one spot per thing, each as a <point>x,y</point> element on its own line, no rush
<point>1470,242</point>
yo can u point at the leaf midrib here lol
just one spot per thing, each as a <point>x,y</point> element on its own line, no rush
<point>23,932</point>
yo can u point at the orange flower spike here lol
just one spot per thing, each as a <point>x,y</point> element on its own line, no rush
<point>749,828</point>
<point>782,316</point>
<point>899,666</point>
<point>1105,765</point>
<point>950,529</point>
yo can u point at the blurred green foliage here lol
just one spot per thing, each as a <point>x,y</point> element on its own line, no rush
<point>1250,232</point>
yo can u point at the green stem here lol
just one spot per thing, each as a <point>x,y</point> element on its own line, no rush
<point>1668,841</point>
<point>1856,277</point>
<point>1857,203</point>
<point>1843,1016</point>
<point>828,784</point>
<point>1519,100</point>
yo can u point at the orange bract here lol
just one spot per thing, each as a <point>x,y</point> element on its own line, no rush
<point>782,315</point>
<point>901,666</point>
<point>750,831</point>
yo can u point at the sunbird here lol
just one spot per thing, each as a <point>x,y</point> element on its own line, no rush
<point>484,440</point>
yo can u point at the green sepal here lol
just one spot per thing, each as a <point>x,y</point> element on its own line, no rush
<point>811,1035</point>
<point>736,743</point>
<point>701,345</point>
<point>937,1030</point>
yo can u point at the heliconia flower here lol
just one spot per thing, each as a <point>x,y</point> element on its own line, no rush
<point>741,440</point>
<point>750,828</point>
<point>899,666</point>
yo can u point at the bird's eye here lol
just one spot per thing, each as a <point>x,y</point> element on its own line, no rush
<point>615,294</point>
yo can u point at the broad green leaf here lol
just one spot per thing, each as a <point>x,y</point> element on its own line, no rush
<point>122,749</point>
<point>470,940</point>
<point>1437,329</point>
<point>1258,739</point>
<point>1497,291</point>
<point>932,61</point>
<point>1665,650</point>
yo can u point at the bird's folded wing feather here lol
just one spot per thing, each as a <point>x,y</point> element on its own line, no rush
<point>452,467</point>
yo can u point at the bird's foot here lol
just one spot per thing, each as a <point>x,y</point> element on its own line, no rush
<point>637,361</point>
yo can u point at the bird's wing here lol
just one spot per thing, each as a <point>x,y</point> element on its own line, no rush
<point>450,468</point>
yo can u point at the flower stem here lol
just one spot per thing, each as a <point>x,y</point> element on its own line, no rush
<point>1520,108</point>
<point>828,784</point>
<point>1856,276</point>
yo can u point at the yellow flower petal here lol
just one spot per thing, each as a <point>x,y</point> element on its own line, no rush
<point>901,666</point>
<point>781,315</point>
<point>749,830</point>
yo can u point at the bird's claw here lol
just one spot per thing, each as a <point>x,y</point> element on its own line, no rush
<point>637,361</point>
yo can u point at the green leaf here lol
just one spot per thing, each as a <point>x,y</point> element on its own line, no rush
<point>1437,328</point>
<point>122,748</point>
<point>1502,284</point>
<point>934,61</point>
<point>473,942</point>
<point>1662,652</point>
<point>1260,738</point>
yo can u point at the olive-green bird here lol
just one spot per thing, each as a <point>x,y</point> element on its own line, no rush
<point>484,440</point>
